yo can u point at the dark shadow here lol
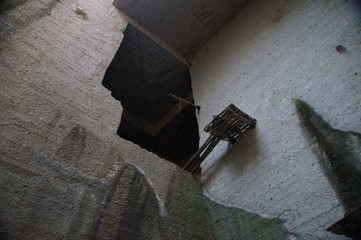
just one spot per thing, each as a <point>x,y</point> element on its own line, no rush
<point>238,155</point>
<point>12,23</point>
<point>4,233</point>
<point>8,5</point>
<point>339,154</point>
<point>175,142</point>
<point>126,207</point>
<point>141,76</point>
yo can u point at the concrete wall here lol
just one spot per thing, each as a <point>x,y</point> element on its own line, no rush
<point>64,172</point>
<point>271,54</point>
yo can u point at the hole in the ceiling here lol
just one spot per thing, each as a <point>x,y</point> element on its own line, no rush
<point>141,76</point>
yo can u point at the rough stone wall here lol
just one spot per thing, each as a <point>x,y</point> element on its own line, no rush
<point>289,167</point>
<point>64,172</point>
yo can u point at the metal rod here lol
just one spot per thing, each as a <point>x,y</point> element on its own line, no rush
<point>183,100</point>
<point>198,153</point>
<point>209,149</point>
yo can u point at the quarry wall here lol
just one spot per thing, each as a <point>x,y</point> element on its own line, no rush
<point>295,67</point>
<point>64,172</point>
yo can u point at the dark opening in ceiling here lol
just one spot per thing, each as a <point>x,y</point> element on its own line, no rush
<point>141,76</point>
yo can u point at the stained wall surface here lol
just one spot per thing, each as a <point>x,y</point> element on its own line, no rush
<point>295,67</point>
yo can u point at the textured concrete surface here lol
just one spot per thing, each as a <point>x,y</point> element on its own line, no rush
<point>272,52</point>
<point>64,172</point>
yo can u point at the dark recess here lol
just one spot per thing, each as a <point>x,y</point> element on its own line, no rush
<point>176,142</point>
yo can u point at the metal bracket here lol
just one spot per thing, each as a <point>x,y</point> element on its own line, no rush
<point>229,125</point>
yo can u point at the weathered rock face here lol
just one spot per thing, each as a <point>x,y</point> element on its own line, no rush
<point>64,172</point>
<point>272,52</point>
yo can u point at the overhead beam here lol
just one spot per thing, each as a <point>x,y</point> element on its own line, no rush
<point>149,127</point>
<point>156,39</point>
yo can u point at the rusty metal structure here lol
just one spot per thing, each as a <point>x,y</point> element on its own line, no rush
<point>228,126</point>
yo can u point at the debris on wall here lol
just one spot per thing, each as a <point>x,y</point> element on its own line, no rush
<point>81,14</point>
<point>271,52</point>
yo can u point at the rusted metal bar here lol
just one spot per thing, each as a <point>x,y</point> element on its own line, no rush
<point>208,150</point>
<point>203,155</point>
<point>229,125</point>
<point>185,101</point>
<point>198,153</point>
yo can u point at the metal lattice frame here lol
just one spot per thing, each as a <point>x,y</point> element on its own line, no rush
<point>229,125</point>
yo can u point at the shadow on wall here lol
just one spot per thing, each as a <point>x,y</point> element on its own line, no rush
<point>234,223</point>
<point>35,11</point>
<point>8,5</point>
<point>122,205</point>
<point>129,209</point>
<point>339,154</point>
<point>3,231</point>
<point>245,151</point>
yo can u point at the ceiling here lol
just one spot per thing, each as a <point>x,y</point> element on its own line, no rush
<point>185,25</point>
